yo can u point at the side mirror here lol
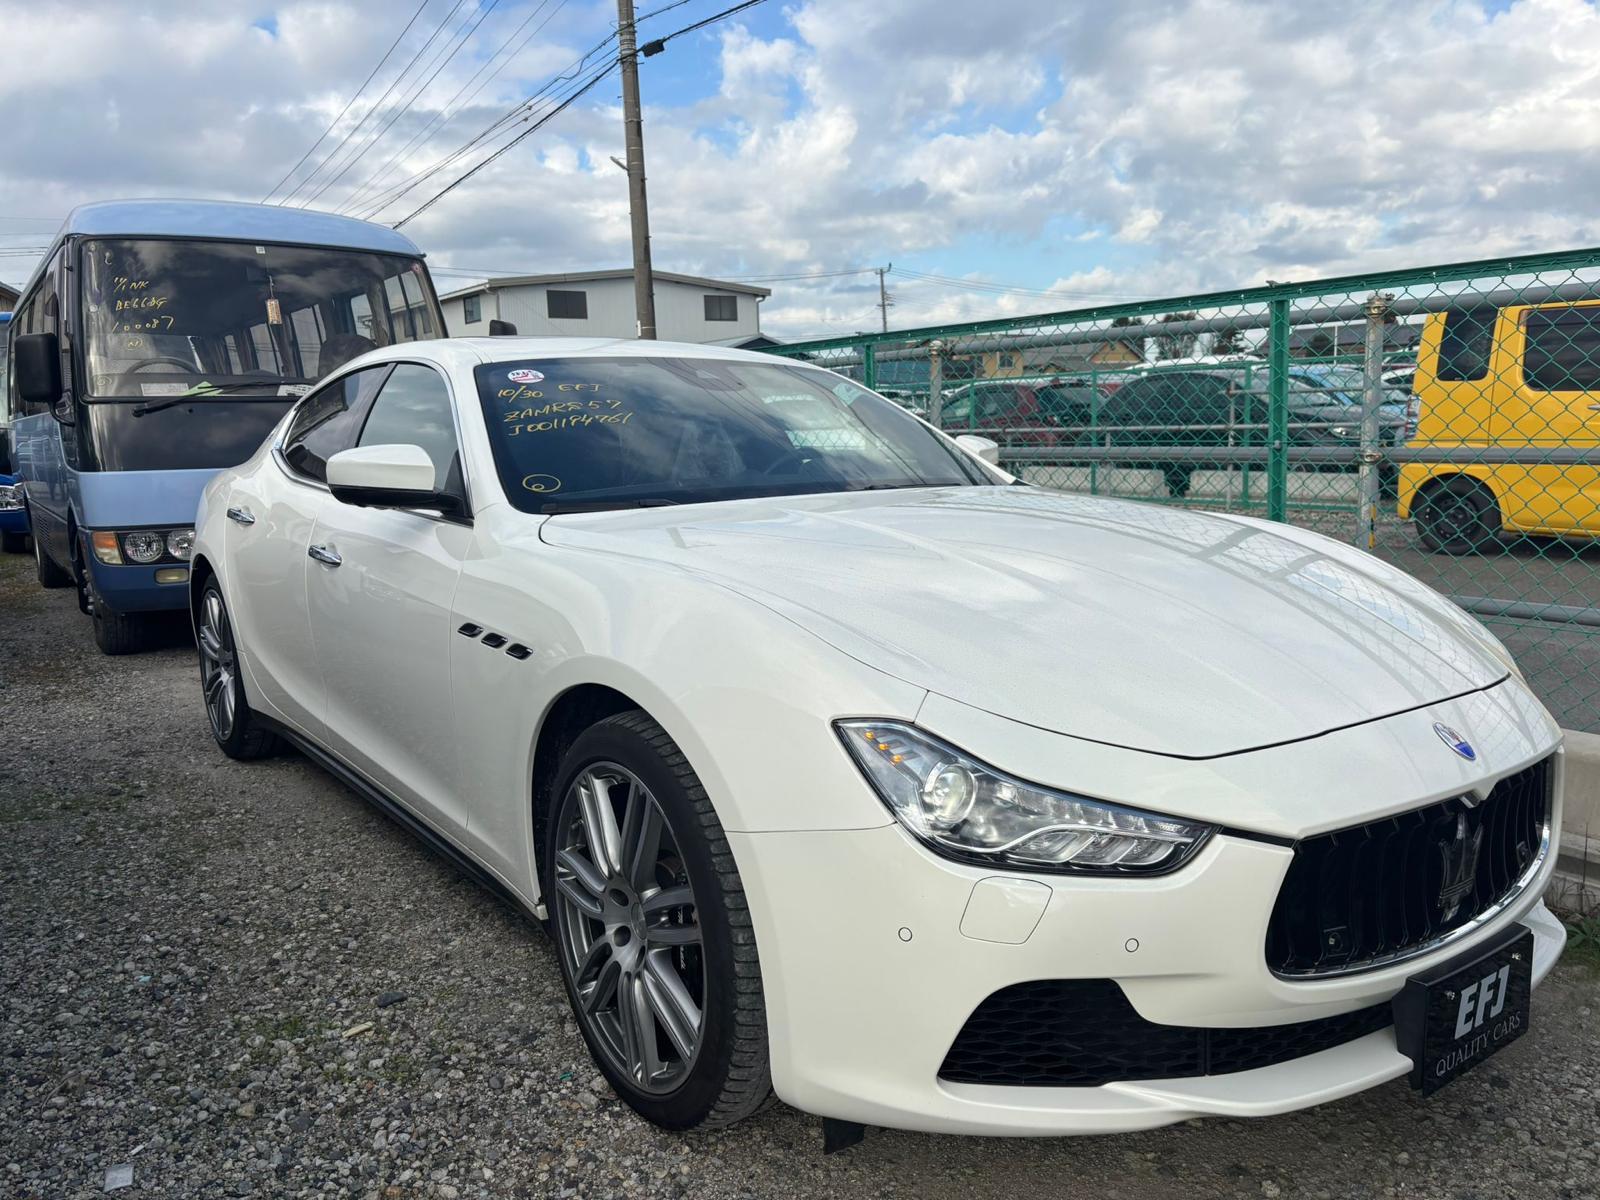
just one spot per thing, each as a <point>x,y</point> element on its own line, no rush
<point>499,328</point>
<point>36,362</point>
<point>387,477</point>
<point>980,447</point>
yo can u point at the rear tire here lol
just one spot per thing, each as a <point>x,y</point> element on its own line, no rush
<point>14,543</point>
<point>657,949</point>
<point>235,727</point>
<point>45,568</point>
<point>1457,516</point>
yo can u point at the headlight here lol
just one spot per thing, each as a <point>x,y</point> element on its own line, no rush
<point>968,810</point>
<point>1344,431</point>
<point>180,543</point>
<point>143,546</point>
<point>10,497</point>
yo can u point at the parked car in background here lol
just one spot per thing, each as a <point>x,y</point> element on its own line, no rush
<point>161,340</point>
<point>13,518</point>
<point>1524,377</point>
<point>1227,406</point>
<point>714,662</point>
<point>1031,412</point>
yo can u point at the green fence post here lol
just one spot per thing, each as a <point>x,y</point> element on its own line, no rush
<point>869,366</point>
<point>1278,412</point>
<point>1249,433</point>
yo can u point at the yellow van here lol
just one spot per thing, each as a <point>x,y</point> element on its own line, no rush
<point>1525,377</point>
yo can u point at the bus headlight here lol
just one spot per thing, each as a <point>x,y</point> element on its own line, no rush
<point>143,546</point>
<point>180,544</point>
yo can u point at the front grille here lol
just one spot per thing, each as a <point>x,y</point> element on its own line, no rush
<point>1083,1032</point>
<point>1377,893</point>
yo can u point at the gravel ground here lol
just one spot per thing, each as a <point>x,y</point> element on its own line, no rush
<point>242,981</point>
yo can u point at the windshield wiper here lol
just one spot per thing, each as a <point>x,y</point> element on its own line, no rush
<point>203,391</point>
<point>586,506</point>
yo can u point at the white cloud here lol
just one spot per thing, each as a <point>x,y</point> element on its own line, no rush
<point>1181,143</point>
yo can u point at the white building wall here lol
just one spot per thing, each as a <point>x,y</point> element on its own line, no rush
<point>680,312</point>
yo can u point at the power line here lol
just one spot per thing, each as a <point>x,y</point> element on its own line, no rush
<point>654,47</point>
<point>660,44</point>
<point>510,117</point>
<point>348,103</point>
<point>581,90</point>
<point>377,104</point>
<point>465,36</point>
<point>450,109</point>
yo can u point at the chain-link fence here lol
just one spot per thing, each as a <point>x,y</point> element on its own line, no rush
<point>1447,419</point>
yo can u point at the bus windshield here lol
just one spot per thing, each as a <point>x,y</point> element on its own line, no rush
<point>191,319</point>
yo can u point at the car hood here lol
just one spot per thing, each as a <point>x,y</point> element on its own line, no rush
<point>1176,632</point>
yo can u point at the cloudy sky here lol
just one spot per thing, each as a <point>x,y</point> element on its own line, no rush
<point>1042,154</point>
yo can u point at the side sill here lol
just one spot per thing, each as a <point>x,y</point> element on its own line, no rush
<point>425,833</point>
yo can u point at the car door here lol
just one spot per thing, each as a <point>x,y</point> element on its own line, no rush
<point>270,515</point>
<point>379,586</point>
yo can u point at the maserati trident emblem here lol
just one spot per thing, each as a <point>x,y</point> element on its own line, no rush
<point>1455,741</point>
<point>1458,853</point>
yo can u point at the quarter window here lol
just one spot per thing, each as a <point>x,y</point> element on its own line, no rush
<point>413,409</point>
<point>1563,352</point>
<point>326,421</point>
<point>1464,348</point>
<point>722,308</point>
<point>567,306</point>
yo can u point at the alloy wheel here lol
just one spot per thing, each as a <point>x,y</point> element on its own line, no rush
<point>630,935</point>
<point>218,665</point>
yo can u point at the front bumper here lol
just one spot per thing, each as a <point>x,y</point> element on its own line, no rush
<point>874,953</point>
<point>132,588</point>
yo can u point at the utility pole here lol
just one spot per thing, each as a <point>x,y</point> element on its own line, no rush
<point>883,295</point>
<point>644,295</point>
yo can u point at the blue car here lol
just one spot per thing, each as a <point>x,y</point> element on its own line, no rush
<point>13,518</point>
<point>160,341</point>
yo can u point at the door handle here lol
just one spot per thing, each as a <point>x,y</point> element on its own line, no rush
<point>241,516</point>
<point>324,555</point>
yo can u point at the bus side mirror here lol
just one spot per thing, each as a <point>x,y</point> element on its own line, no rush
<point>498,328</point>
<point>36,363</point>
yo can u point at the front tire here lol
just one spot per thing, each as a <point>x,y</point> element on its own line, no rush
<point>653,930</point>
<point>1458,516</point>
<point>115,632</point>
<point>235,726</point>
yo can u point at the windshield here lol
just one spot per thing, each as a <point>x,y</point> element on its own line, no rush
<point>191,318</point>
<point>616,432</point>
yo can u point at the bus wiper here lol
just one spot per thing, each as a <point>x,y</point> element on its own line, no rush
<point>587,506</point>
<point>206,390</point>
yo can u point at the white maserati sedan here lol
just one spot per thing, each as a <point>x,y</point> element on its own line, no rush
<point>841,765</point>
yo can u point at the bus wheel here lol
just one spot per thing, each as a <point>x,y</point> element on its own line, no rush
<point>1457,516</point>
<point>49,575</point>
<point>117,633</point>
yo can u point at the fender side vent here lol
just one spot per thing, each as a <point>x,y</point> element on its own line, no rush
<point>494,640</point>
<point>470,630</point>
<point>518,650</point>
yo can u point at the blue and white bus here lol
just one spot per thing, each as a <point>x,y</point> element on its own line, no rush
<point>13,521</point>
<point>160,341</point>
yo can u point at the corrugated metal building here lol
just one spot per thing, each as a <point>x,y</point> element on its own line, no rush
<point>600,304</point>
